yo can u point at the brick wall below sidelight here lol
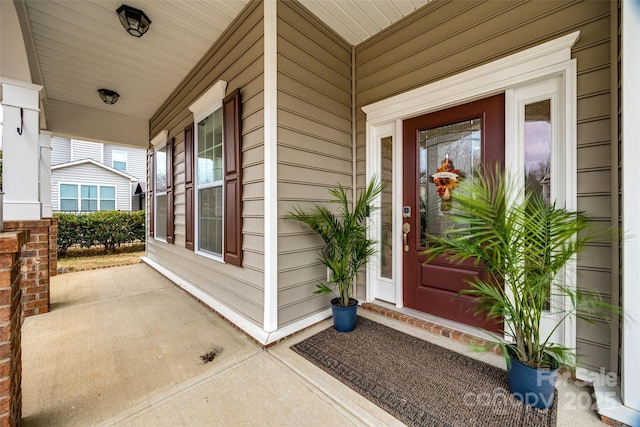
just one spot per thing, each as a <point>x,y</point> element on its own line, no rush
<point>38,262</point>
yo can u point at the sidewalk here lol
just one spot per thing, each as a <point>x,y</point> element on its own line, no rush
<point>123,346</point>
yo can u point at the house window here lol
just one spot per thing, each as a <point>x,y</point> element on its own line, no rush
<point>161,193</point>
<point>107,198</point>
<point>69,197</point>
<point>119,160</point>
<point>209,181</point>
<point>213,176</point>
<point>87,198</point>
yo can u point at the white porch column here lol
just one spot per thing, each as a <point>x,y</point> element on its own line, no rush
<point>631,206</point>
<point>270,167</point>
<point>45,173</point>
<point>21,150</point>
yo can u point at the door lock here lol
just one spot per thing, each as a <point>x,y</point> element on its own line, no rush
<point>406,227</point>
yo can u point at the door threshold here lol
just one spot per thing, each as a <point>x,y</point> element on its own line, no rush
<point>449,329</point>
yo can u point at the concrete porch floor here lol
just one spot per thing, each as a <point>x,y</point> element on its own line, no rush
<point>122,346</point>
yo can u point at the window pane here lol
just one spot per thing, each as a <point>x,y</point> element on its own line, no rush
<point>447,154</point>
<point>69,191</point>
<point>386,226</point>
<point>89,192</point>
<point>88,205</point>
<point>210,148</point>
<point>210,220</point>
<point>120,156</point>
<point>537,148</point>
<point>107,205</point>
<point>537,155</point>
<point>119,160</point>
<point>69,205</point>
<point>217,145</point>
<point>161,217</point>
<point>107,193</point>
<point>161,169</point>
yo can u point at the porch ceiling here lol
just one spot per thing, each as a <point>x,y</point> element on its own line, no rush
<point>78,47</point>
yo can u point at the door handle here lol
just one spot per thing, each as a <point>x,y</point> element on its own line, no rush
<point>406,227</point>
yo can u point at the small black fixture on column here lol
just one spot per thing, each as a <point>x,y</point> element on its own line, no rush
<point>135,21</point>
<point>109,97</point>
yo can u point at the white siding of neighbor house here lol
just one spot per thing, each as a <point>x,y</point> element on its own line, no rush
<point>136,160</point>
<point>81,150</point>
<point>90,174</point>
<point>60,150</point>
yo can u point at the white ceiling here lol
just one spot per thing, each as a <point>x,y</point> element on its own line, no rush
<point>81,47</point>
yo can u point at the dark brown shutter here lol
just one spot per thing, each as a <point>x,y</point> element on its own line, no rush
<point>170,233</point>
<point>188,174</point>
<point>151,192</point>
<point>231,120</point>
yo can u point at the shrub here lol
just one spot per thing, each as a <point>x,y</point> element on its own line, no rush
<point>105,228</point>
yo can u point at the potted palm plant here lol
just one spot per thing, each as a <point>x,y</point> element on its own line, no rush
<point>346,247</point>
<point>523,243</point>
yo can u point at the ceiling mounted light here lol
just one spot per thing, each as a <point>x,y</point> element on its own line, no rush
<point>109,97</point>
<point>133,20</point>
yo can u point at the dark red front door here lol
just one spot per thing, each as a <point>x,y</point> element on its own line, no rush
<point>440,150</point>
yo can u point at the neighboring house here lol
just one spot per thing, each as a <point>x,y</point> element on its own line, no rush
<point>91,176</point>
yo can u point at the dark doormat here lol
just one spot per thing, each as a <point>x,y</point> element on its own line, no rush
<point>420,383</point>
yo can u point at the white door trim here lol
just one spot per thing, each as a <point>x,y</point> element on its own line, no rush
<point>547,59</point>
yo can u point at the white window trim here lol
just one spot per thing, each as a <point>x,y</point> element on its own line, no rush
<point>158,142</point>
<point>126,159</point>
<point>547,59</point>
<point>377,286</point>
<point>79,198</point>
<point>563,175</point>
<point>204,106</point>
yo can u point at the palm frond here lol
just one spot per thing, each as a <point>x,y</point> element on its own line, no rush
<point>346,246</point>
<point>523,244</point>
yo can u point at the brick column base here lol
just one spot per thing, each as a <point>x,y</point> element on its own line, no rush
<point>36,262</point>
<point>11,327</point>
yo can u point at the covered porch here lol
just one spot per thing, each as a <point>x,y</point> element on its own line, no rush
<point>302,102</point>
<point>123,346</point>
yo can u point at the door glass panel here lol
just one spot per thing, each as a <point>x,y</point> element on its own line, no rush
<point>447,154</point>
<point>386,230</point>
<point>537,148</point>
<point>537,154</point>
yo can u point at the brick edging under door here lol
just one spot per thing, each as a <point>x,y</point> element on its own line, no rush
<point>434,328</point>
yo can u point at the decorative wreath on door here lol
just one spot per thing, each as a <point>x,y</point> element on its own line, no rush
<point>445,180</point>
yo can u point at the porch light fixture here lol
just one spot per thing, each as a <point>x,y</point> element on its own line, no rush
<point>109,97</point>
<point>135,21</point>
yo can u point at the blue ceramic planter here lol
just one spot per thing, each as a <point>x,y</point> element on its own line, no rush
<point>344,318</point>
<point>535,387</point>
